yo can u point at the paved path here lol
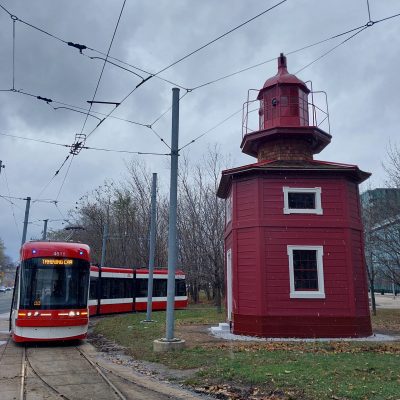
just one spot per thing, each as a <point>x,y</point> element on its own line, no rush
<point>387,301</point>
<point>5,301</point>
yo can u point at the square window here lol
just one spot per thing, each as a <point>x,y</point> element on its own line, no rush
<point>302,200</point>
<point>306,272</point>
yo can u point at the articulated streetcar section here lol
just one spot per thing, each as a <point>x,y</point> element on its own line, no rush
<point>57,290</point>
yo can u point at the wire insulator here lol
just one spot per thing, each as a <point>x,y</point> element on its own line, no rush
<point>78,46</point>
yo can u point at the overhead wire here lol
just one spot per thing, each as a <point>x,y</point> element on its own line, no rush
<point>12,204</point>
<point>84,47</point>
<point>211,129</point>
<point>34,140</point>
<point>84,147</point>
<point>220,37</point>
<point>65,176</point>
<point>126,151</point>
<point>104,65</point>
<point>71,107</point>
<point>186,56</point>
<point>226,76</point>
<point>332,49</point>
<point>13,56</point>
<point>357,31</point>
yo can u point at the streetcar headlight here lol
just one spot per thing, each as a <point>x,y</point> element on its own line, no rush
<point>71,313</point>
<point>77,313</point>
<point>29,314</point>
<point>36,314</point>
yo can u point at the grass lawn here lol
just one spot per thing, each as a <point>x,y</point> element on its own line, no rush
<point>296,370</point>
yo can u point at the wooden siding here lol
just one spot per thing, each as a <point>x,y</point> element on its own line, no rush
<point>259,235</point>
<point>245,199</point>
<point>246,266</point>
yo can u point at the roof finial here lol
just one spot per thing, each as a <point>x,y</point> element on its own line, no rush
<point>282,65</point>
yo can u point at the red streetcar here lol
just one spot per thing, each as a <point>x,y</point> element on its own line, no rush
<point>118,290</point>
<point>51,292</point>
<point>52,299</point>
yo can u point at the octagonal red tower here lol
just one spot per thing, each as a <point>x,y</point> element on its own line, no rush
<point>293,239</point>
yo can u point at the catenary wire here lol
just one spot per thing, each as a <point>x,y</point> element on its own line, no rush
<point>84,147</point>
<point>369,11</point>
<point>13,56</point>
<point>12,204</point>
<point>65,176</point>
<point>34,140</point>
<point>211,129</point>
<point>332,49</point>
<point>358,30</point>
<point>83,47</point>
<point>220,37</point>
<point>104,65</point>
<point>126,151</point>
<point>185,57</point>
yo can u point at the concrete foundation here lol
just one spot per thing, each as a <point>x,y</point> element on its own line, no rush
<point>163,345</point>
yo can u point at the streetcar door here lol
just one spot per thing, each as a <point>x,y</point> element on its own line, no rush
<point>14,302</point>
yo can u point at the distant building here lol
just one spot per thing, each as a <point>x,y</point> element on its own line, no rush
<point>381,209</point>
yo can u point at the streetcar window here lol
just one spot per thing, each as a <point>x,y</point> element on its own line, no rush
<point>141,287</point>
<point>53,286</point>
<point>93,288</point>
<point>116,288</point>
<point>159,287</point>
<point>180,287</point>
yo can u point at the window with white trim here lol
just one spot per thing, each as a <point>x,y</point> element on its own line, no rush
<point>306,272</point>
<point>228,208</point>
<point>302,200</point>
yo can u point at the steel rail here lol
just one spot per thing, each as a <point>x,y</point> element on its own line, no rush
<point>52,388</point>
<point>113,387</point>
<point>22,391</point>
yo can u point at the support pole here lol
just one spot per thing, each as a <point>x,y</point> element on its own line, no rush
<point>153,226</point>
<point>170,342</point>
<point>44,237</point>
<point>26,219</point>
<point>104,245</point>
<point>1,166</point>
<point>173,200</point>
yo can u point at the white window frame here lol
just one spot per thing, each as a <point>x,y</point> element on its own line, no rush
<point>228,209</point>
<point>318,205</point>
<point>305,294</point>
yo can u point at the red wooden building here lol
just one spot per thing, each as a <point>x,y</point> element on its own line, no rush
<point>294,239</point>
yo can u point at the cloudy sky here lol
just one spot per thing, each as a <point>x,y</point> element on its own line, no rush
<point>360,77</point>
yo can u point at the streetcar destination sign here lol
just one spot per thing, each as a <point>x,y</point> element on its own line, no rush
<point>55,261</point>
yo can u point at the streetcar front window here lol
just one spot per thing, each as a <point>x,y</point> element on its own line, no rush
<point>54,283</point>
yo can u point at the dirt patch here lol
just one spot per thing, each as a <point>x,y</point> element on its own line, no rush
<point>120,355</point>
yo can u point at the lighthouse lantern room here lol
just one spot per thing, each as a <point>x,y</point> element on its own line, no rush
<point>294,253</point>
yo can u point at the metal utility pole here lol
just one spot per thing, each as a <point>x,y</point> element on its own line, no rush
<point>104,245</point>
<point>28,204</point>
<point>1,165</point>
<point>153,225</point>
<point>44,237</point>
<point>172,234</point>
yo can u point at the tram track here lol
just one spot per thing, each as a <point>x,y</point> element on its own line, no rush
<point>28,367</point>
<point>98,370</point>
<point>24,368</point>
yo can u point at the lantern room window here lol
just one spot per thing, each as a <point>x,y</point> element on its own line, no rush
<point>302,200</point>
<point>306,272</point>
